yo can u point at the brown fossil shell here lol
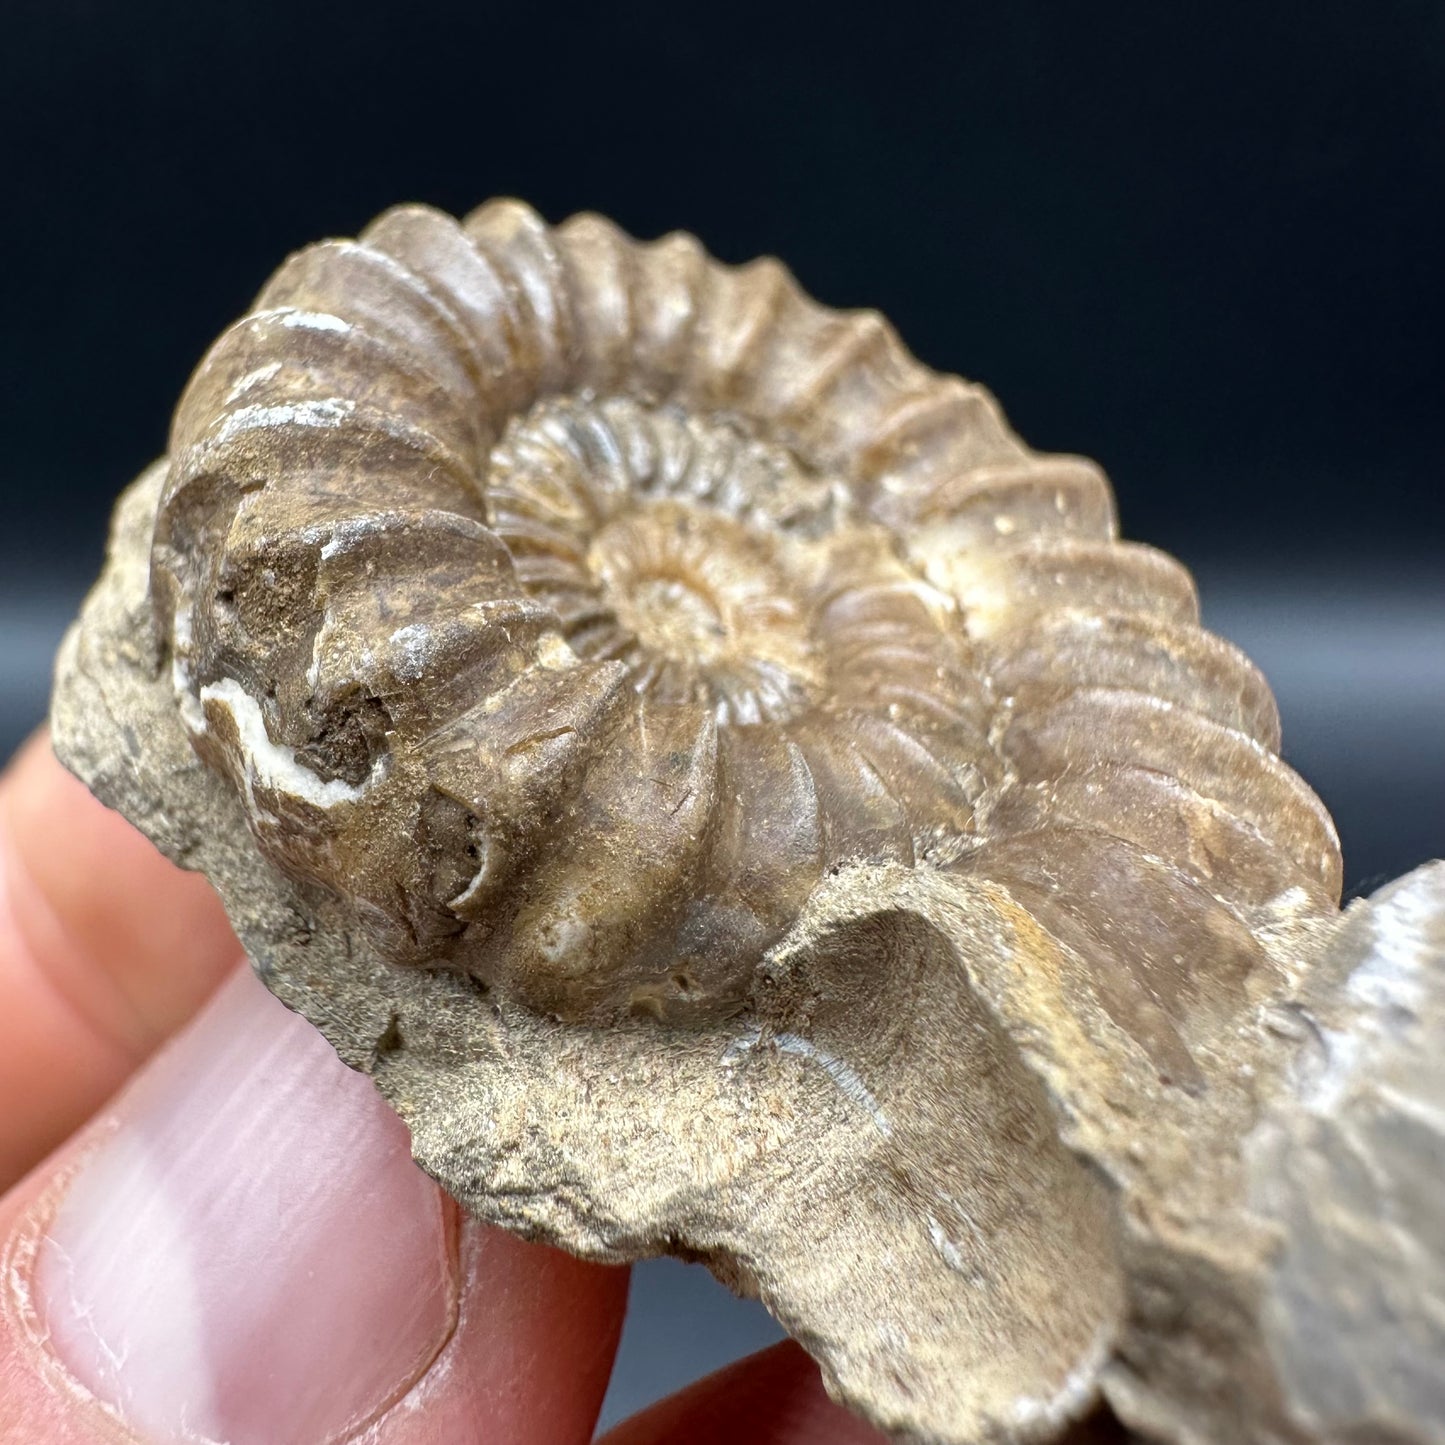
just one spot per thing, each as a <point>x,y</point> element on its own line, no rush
<point>573,606</point>
<point>737,801</point>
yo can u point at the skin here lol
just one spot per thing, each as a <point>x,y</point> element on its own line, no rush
<point>106,951</point>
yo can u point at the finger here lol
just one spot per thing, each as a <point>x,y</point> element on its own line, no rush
<point>771,1398</point>
<point>241,1249</point>
<point>105,949</point>
<point>776,1398</point>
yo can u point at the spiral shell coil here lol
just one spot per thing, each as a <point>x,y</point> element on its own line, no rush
<point>575,605</point>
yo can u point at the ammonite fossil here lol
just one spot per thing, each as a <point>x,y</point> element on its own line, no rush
<point>737,799</point>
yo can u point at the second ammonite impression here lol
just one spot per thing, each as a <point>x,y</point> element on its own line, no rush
<point>572,606</point>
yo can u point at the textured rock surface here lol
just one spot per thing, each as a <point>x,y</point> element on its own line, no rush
<point>1348,1166</point>
<point>736,801</point>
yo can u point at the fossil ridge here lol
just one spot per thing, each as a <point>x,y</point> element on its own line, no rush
<point>735,799</point>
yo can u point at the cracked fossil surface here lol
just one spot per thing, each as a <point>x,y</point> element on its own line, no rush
<point>737,800</point>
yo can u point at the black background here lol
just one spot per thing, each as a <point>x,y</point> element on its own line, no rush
<point>1202,243</point>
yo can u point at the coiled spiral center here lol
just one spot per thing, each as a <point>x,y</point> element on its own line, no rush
<point>656,538</point>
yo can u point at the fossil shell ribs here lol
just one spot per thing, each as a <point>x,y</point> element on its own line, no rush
<point>573,605</point>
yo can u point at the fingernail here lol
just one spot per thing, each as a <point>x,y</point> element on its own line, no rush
<point>249,1255</point>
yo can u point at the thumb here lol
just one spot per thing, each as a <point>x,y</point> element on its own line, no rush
<point>241,1250</point>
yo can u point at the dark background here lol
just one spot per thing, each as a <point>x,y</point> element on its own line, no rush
<point>1202,243</point>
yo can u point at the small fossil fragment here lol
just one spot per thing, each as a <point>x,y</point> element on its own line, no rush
<point>736,799</point>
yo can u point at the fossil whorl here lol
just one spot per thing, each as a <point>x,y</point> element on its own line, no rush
<point>574,605</point>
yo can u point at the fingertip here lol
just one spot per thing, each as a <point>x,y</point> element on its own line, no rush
<point>105,949</point>
<point>536,1336</point>
<point>775,1397</point>
<point>242,1248</point>
<point>122,912</point>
